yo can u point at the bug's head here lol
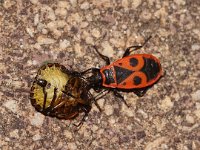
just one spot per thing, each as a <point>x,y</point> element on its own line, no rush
<point>95,80</point>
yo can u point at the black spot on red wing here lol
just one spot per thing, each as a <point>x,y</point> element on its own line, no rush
<point>133,62</point>
<point>120,64</point>
<point>121,73</point>
<point>108,73</point>
<point>137,80</point>
<point>151,68</point>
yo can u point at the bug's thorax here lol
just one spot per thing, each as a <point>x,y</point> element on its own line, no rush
<point>95,79</point>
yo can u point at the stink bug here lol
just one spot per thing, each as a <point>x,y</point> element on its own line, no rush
<point>58,92</point>
<point>135,72</point>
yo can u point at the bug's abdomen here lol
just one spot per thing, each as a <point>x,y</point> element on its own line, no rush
<point>151,68</point>
<point>134,71</point>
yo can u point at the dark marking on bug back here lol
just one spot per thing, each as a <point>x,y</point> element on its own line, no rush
<point>137,80</point>
<point>122,73</point>
<point>42,82</point>
<point>108,76</point>
<point>133,62</point>
<point>151,68</point>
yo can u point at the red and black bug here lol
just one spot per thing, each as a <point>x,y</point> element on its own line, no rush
<point>136,72</point>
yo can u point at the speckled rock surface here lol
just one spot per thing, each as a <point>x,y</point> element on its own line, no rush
<point>37,31</point>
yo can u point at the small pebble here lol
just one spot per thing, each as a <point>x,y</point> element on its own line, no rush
<point>73,3</point>
<point>68,134</point>
<point>146,15</point>
<point>189,118</point>
<point>195,47</point>
<point>89,40</point>
<point>196,95</point>
<point>101,102</point>
<point>37,119</point>
<point>72,145</point>
<point>14,134</point>
<point>36,137</point>
<point>8,4</point>
<point>155,144</point>
<point>127,111</point>
<point>34,1</point>
<point>143,113</point>
<point>44,40</point>
<point>197,113</point>
<point>125,3</point>
<point>136,3</point>
<point>108,110</point>
<point>107,49</point>
<point>63,4</point>
<point>166,104</point>
<point>30,31</point>
<point>61,12</point>
<point>85,5</point>
<point>64,44</point>
<point>12,105</point>
<point>96,33</point>
<point>36,19</point>
<point>180,2</point>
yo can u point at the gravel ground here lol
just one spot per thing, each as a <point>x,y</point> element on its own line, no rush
<point>36,31</point>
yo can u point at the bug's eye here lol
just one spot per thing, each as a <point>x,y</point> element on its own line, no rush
<point>42,82</point>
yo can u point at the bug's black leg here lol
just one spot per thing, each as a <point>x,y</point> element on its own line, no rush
<point>80,74</point>
<point>133,48</point>
<point>105,58</point>
<point>54,98</point>
<point>45,98</point>
<point>99,96</point>
<point>94,100</point>
<point>86,109</point>
<point>97,105</point>
<point>120,96</point>
<point>130,49</point>
<point>69,94</point>
<point>43,83</point>
<point>88,71</point>
<point>49,109</point>
<point>140,93</point>
<point>98,90</point>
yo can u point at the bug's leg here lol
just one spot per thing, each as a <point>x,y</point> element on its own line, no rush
<point>95,101</point>
<point>140,93</point>
<point>63,102</point>
<point>133,48</point>
<point>80,74</point>
<point>117,94</point>
<point>101,93</point>
<point>54,97</point>
<point>89,70</point>
<point>86,95</point>
<point>105,58</point>
<point>43,83</point>
<point>45,98</point>
<point>99,96</point>
<point>97,105</point>
<point>49,109</point>
<point>98,90</point>
<point>86,109</point>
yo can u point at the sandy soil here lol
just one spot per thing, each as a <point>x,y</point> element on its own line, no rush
<point>36,31</point>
